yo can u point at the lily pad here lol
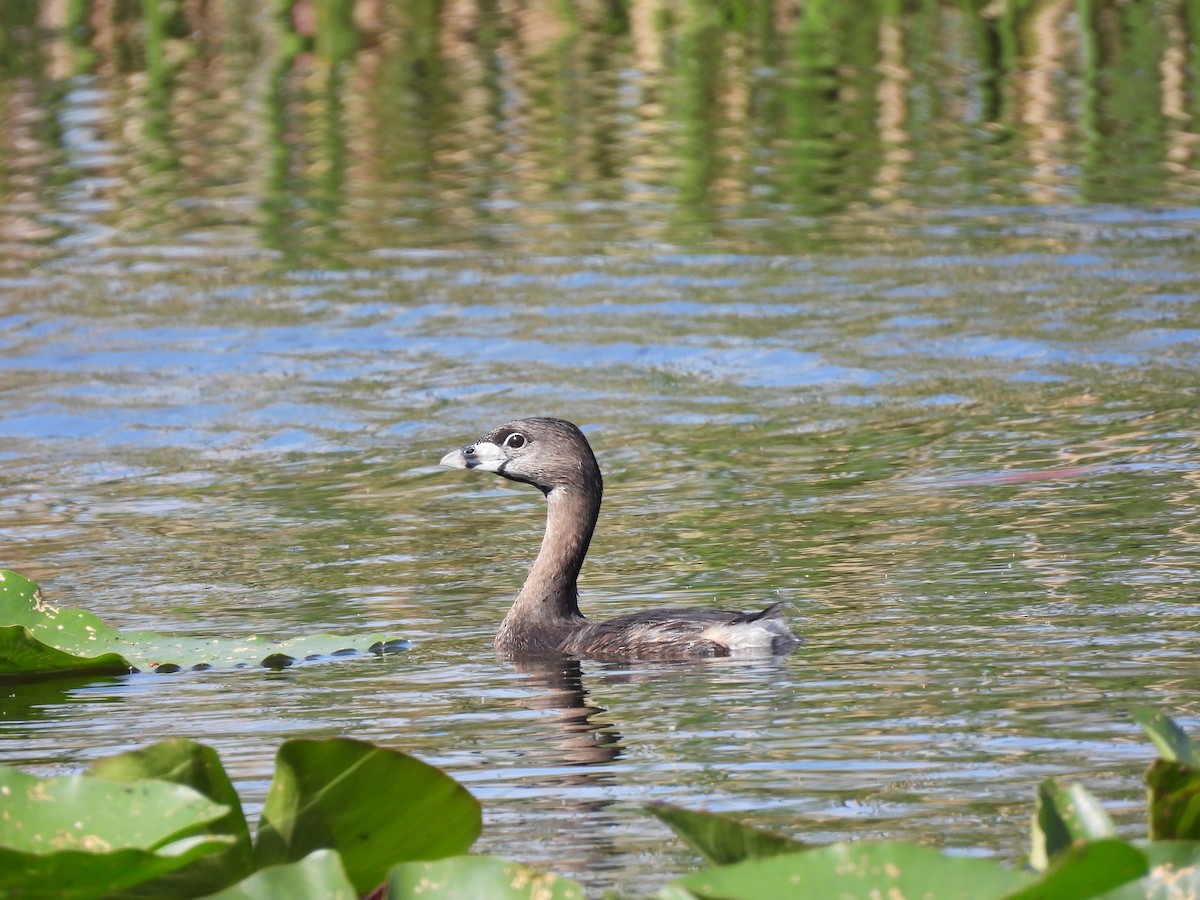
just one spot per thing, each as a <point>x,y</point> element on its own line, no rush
<point>855,870</point>
<point>1066,814</point>
<point>1086,870</point>
<point>1172,741</point>
<point>376,806</point>
<point>720,839</point>
<point>1174,801</point>
<point>1174,873</point>
<point>25,658</point>
<point>199,768</point>
<point>477,876</point>
<point>81,837</point>
<point>319,876</point>
<point>39,640</point>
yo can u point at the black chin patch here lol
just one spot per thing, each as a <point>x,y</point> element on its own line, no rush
<point>502,470</point>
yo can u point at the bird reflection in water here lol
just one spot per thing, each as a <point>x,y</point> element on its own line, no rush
<point>581,741</point>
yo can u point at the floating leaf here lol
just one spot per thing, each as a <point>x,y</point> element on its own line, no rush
<point>1174,873</point>
<point>1085,870</point>
<point>856,870</point>
<point>1174,801</point>
<point>25,658</point>
<point>477,876</point>
<point>1065,814</point>
<point>76,836</point>
<point>1171,740</point>
<point>199,768</point>
<point>376,806</point>
<point>719,839</point>
<point>319,876</point>
<point>39,640</point>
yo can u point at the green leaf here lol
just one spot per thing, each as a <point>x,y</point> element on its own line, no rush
<point>857,870</point>
<point>1171,740</point>
<point>79,812</point>
<point>198,767</point>
<point>82,875</point>
<point>1174,873</point>
<point>39,640</point>
<point>1174,801</point>
<point>1065,814</point>
<point>1087,870</point>
<point>77,836</point>
<point>319,876</point>
<point>477,876</point>
<point>25,658</point>
<point>719,839</point>
<point>375,806</point>
<point>27,647</point>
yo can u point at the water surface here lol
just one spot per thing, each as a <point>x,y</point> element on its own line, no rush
<point>952,422</point>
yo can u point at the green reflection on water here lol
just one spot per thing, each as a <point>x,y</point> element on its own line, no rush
<point>411,124</point>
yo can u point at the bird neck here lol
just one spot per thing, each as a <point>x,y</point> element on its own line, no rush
<point>551,592</point>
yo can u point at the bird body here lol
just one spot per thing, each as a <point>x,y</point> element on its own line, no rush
<point>554,456</point>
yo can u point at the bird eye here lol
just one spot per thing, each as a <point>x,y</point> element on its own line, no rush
<point>515,441</point>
